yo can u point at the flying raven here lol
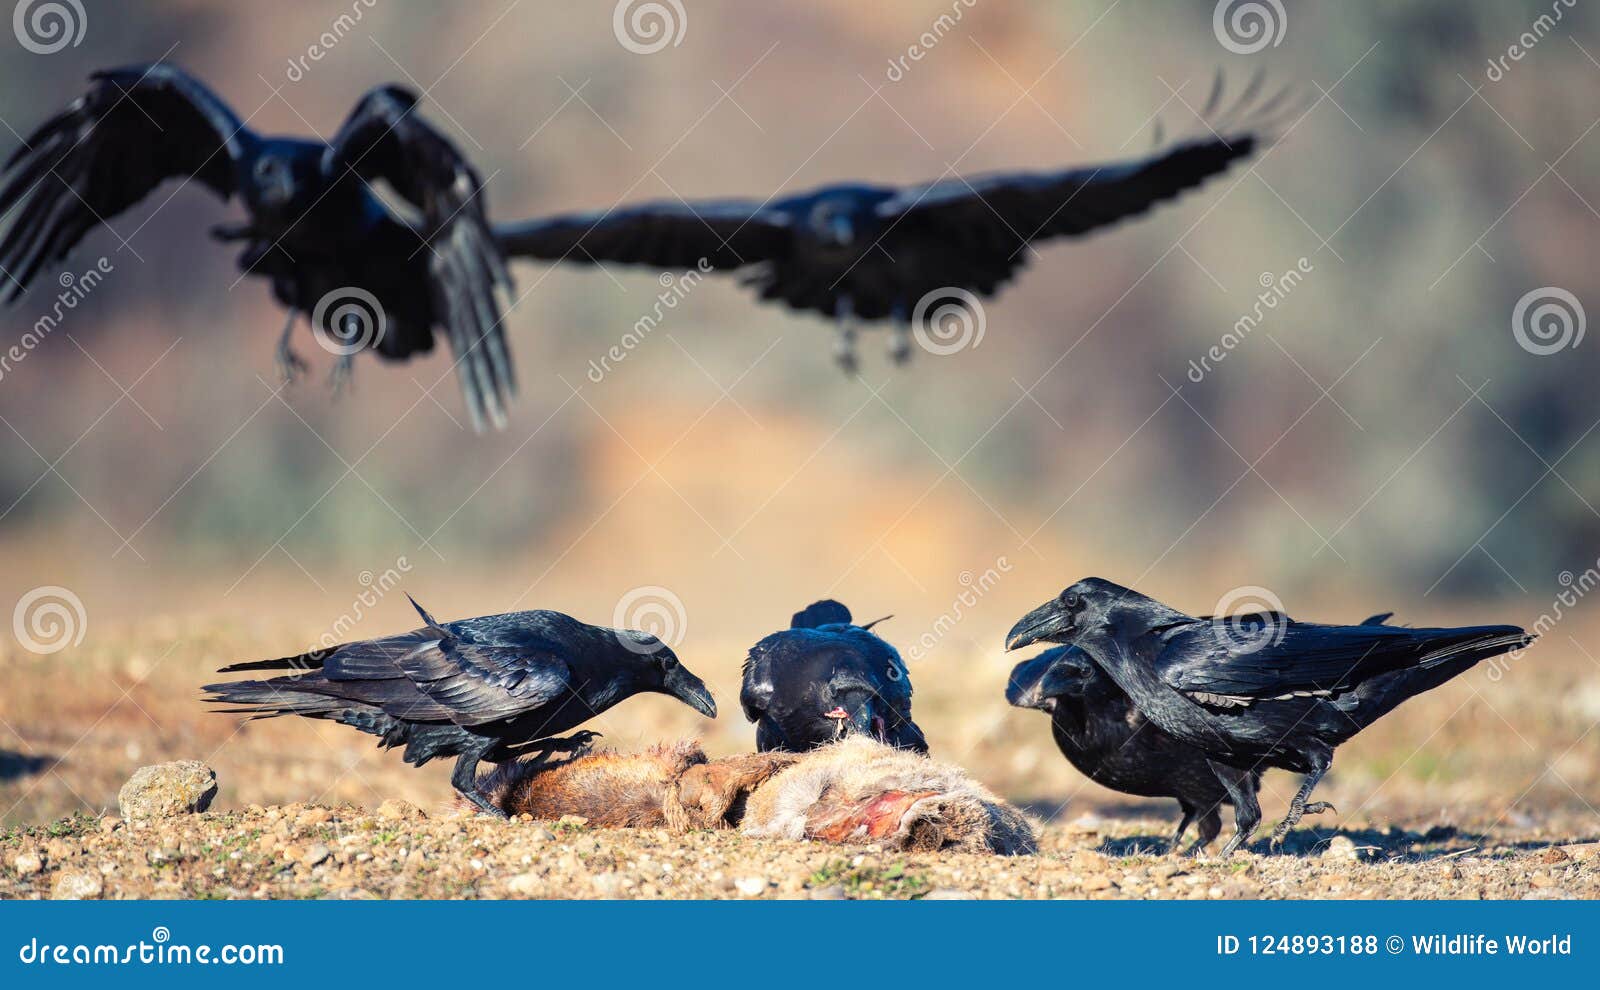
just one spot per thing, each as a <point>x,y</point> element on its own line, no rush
<point>367,277</point>
<point>904,254</point>
<point>1273,693</point>
<point>490,688</point>
<point>1101,733</point>
<point>825,677</point>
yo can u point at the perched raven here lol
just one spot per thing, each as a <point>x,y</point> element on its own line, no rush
<point>1101,733</point>
<point>825,677</point>
<point>1280,693</point>
<point>855,251</point>
<point>367,277</point>
<point>491,688</point>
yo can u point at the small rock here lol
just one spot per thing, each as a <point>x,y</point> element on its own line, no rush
<point>832,892</point>
<point>396,810</point>
<point>1555,854</point>
<point>314,854</point>
<point>1097,881</point>
<point>1166,871</point>
<point>58,851</point>
<point>76,885</point>
<point>946,894</point>
<point>109,824</point>
<point>751,886</point>
<point>608,884</point>
<point>1088,861</point>
<point>573,821</point>
<point>167,789</point>
<point>27,864</point>
<point>523,885</point>
<point>1341,849</point>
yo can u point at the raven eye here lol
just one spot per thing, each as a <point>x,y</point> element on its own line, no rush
<point>1069,598</point>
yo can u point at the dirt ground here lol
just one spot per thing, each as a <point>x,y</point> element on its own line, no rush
<point>1484,788</point>
<point>308,851</point>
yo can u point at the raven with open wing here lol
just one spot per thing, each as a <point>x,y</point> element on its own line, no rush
<point>911,255</point>
<point>491,688</point>
<point>1256,691</point>
<point>368,278</point>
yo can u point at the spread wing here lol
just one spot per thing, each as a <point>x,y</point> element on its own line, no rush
<point>1224,664</point>
<point>385,138</point>
<point>715,234</point>
<point>1003,212</point>
<point>134,129</point>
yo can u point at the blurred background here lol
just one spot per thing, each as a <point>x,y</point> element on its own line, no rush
<point>1406,422</point>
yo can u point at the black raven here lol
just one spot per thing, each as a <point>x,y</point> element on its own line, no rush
<point>825,677</point>
<point>367,277</point>
<point>1101,733</point>
<point>490,688</point>
<point>854,251</point>
<point>1272,693</point>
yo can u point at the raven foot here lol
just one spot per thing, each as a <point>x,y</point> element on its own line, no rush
<point>290,365</point>
<point>339,377</point>
<point>844,352</point>
<point>900,345</point>
<point>483,804</point>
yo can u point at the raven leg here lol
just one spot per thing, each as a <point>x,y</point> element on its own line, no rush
<point>1298,806</point>
<point>289,363</point>
<point>844,343</point>
<point>339,377</point>
<point>1246,810</point>
<point>465,780</point>
<point>1210,825</point>
<point>899,334</point>
<point>1183,826</point>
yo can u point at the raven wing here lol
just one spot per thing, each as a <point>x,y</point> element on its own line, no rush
<point>134,129</point>
<point>384,138</point>
<point>1004,212</point>
<point>715,234</point>
<point>756,686</point>
<point>433,675</point>
<point>1219,663</point>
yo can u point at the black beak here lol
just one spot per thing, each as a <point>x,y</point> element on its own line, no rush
<point>1047,623</point>
<point>690,690</point>
<point>1023,690</point>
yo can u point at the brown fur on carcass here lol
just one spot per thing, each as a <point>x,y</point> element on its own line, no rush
<point>856,791</point>
<point>611,790</point>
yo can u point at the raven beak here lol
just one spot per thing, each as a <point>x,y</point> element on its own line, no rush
<point>690,690</point>
<point>1023,690</point>
<point>1043,624</point>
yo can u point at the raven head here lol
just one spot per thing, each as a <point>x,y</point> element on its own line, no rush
<point>1063,618</point>
<point>1062,672</point>
<point>273,177</point>
<point>833,221</point>
<point>662,673</point>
